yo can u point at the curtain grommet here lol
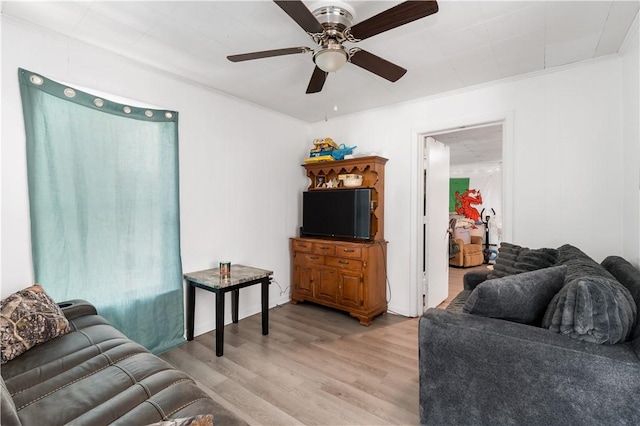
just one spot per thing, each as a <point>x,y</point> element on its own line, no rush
<point>69,93</point>
<point>148,113</point>
<point>98,102</point>
<point>126,110</point>
<point>36,79</point>
<point>168,114</point>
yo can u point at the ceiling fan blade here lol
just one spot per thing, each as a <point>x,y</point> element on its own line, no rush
<point>401,14</point>
<point>301,14</point>
<point>377,65</point>
<point>317,81</point>
<point>268,53</point>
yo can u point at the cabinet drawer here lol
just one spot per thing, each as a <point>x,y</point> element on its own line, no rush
<point>323,248</point>
<point>341,262</point>
<point>348,251</point>
<point>306,259</point>
<point>303,246</point>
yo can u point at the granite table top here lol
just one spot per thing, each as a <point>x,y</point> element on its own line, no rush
<point>239,274</point>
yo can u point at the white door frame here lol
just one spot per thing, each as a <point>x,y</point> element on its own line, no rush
<point>417,188</point>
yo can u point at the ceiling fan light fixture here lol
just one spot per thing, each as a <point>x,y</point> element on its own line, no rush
<point>331,24</point>
<point>331,57</point>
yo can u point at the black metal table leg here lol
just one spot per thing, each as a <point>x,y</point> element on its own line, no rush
<point>235,295</point>
<point>191,308</point>
<point>265,306</point>
<point>219,322</point>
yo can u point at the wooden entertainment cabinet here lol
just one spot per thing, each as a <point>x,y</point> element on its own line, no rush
<point>349,275</point>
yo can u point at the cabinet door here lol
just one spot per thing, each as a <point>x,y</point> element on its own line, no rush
<point>351,289</point>
<point>303,280</point>
<point>326,285</point>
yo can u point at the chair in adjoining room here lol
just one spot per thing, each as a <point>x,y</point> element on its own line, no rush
<point>470,249</point>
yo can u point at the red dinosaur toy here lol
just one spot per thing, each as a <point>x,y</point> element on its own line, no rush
<point>466,200</point>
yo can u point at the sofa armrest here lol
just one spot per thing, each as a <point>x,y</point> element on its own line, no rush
<point>477,370</point>
<point>76,308</point>
<point>471,279</point>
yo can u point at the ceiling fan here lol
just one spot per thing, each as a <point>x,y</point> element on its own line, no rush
<point>332,25</point>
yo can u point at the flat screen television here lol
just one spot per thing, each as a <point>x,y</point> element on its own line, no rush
<point>344,213</point>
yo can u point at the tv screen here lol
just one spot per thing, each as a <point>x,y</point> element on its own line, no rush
<point>337,213</point>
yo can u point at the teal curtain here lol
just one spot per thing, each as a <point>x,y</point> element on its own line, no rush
<point>104,204</point>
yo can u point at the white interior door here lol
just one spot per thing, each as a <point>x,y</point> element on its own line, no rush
<point>435,223</point>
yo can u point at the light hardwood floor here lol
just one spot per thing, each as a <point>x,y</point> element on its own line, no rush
<point>317,366</point>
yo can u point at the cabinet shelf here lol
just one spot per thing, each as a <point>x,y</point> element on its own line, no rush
<point>371,169</point>
<point>339,187</point>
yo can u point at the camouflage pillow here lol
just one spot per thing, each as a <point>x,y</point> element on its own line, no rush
<point>27,318</point>
<point>199,420</point>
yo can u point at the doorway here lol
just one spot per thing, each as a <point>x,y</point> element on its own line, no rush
<point>473,154</point>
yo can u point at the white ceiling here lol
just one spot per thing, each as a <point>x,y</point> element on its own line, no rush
<point>465,43</point>
<point>475,147</point>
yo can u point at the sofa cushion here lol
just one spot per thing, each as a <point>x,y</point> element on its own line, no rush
<point>514,259</point>
<point>520,298</point>
<point>593,309</point>
<point>27,318</point>
<point>592,306</point>
<point>9,413</point>
<point>472,248</point>
<point>579,264</point>
<point>628,276</point>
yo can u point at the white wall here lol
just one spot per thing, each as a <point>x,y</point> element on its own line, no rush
<point>631,134</point>
<point>573,144</point>
<point>566,158</point>
<point>240,177</point>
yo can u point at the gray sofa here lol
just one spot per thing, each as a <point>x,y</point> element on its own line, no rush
<point>482,370</point>
<point>94,375</point>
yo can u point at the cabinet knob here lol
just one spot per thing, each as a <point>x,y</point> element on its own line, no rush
<point>344,262</point>
<point>348,250</point>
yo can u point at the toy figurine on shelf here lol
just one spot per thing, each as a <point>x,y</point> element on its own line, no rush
<point>326,149</point>
<point>326,143</point>
<point>342,151</point>
<point>321,150</point>
<point>333,183</point>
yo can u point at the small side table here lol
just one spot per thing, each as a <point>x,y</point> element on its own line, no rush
<point>210,280</point>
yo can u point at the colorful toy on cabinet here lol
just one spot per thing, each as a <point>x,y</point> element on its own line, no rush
<point>326,149</point>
